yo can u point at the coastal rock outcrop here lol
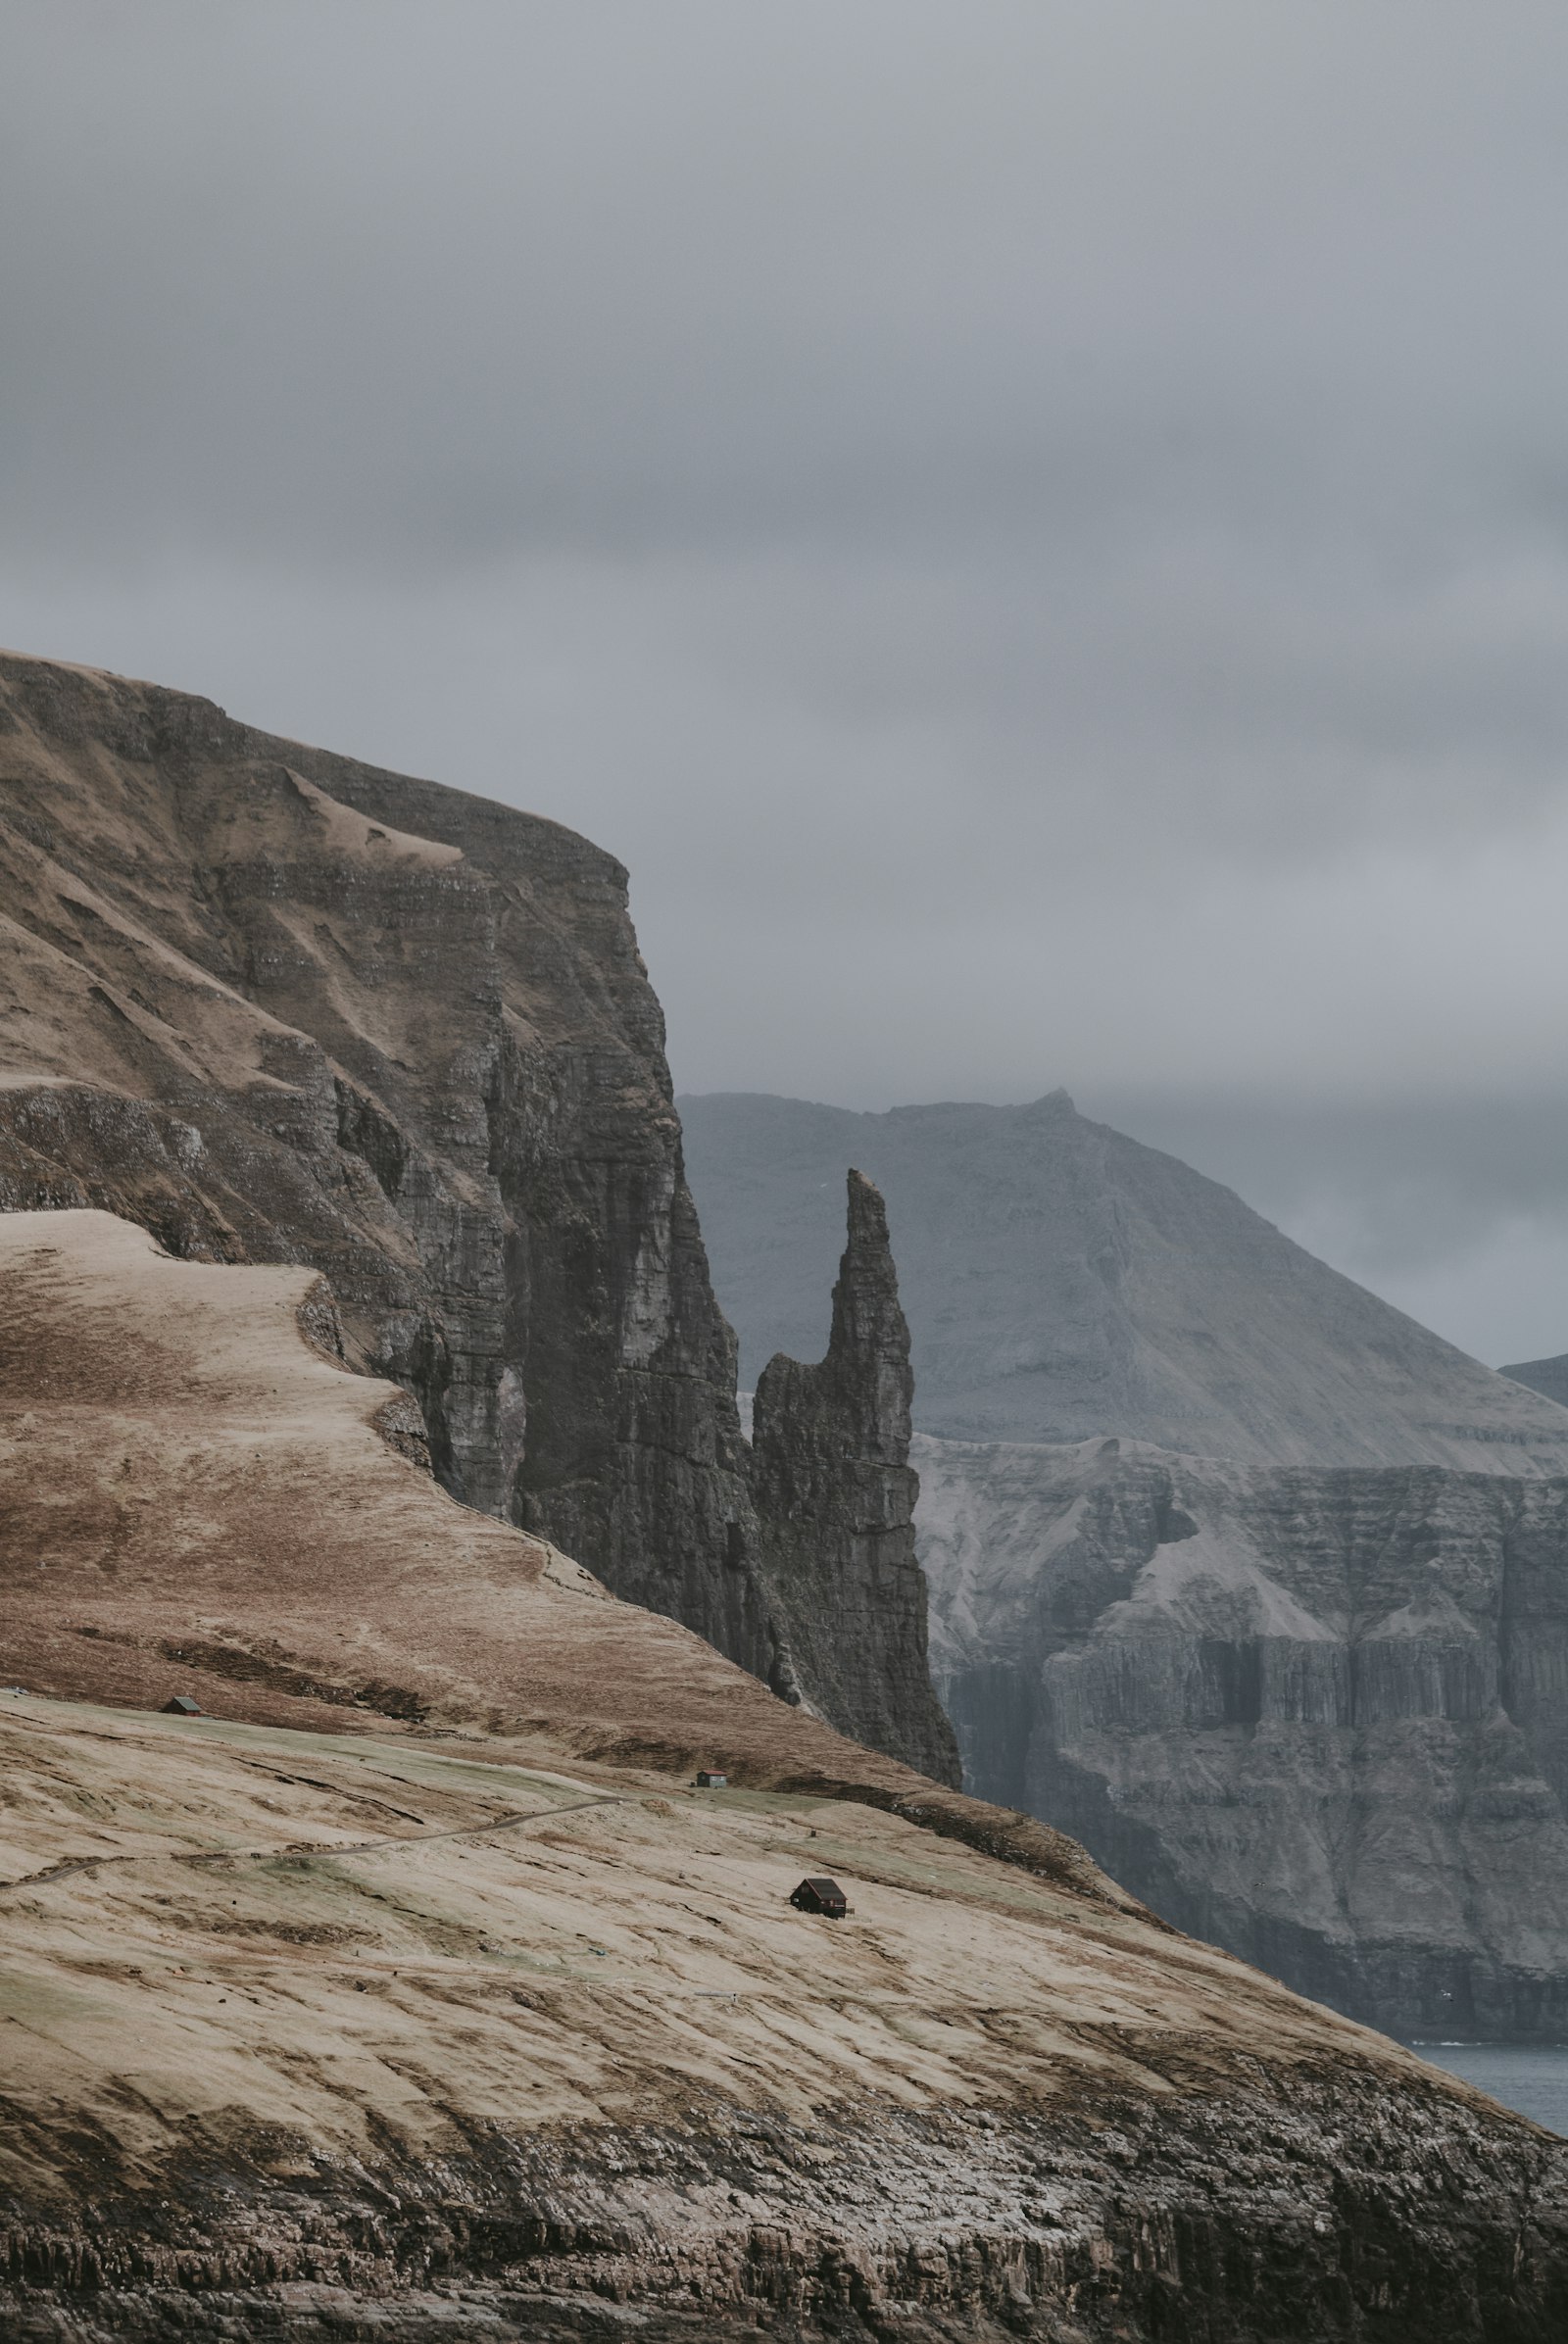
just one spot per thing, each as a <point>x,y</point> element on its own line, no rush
<point>835,1501</point>
<point>1316,1716</point>
<point>281,1006</point>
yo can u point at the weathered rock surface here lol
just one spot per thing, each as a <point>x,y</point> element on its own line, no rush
<point>1063,1282</point>
<point>835,1500</point>
<point>1320,1716</point>
<point>278,1005</point>
<point>423,2030</point>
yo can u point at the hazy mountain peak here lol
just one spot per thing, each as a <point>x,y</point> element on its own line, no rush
<point>1063,1280</point>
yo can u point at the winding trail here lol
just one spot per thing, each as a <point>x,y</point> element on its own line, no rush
<point>294,1854</point>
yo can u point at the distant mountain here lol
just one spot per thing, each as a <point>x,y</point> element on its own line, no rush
<point>1549,1376</point>
<point>1062,1280</point>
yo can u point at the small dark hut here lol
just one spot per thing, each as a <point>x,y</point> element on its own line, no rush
<point>183,1706</point>
<point>711,1781</point>
<point>820,1896</point>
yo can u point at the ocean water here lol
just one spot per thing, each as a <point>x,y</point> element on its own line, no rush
<point>1532,2077</point>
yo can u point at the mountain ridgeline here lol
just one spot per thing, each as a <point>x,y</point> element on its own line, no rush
<point>1549,1377</point>
<point>1063,1282</point>
<point>280,1006</point>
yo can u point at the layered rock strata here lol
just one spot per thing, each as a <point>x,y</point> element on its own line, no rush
<point>835,1500</point>
<point>1308,1702</point>
<point>1319,1717</point>
<point>278,1005</point>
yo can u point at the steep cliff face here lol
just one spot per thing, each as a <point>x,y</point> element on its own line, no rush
<point>835,1501</point>
<point>278,1005</point>
<point>1318,1716</point>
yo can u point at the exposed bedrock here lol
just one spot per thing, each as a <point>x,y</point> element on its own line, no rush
<point>278,1005</point>
<point>835,1501</point>
<point>1186,2216</point>
<point>1319,1717</point>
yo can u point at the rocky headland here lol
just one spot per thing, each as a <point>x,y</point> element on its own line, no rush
<point>280,1006</point>
<point>414,1991</point>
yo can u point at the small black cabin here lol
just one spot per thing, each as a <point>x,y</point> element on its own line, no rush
<point>183,1706</point>
<point>820,1896</point>
<point>707,1779</point>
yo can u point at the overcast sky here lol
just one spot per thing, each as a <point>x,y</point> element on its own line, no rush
<point>1038,531</point>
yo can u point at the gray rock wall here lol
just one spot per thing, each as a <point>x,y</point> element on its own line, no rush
<point>1317,2208</point>
<point>1318,1716</point>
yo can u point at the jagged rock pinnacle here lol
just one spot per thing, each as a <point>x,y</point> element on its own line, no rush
<point>835,1497</point>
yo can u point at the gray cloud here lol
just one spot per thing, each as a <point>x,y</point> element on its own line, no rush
<point>1040,534</point>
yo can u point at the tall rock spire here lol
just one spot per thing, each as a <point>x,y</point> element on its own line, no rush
<point>835,1493</point>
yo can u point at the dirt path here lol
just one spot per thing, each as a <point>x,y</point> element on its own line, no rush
<point>295,1854</point>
